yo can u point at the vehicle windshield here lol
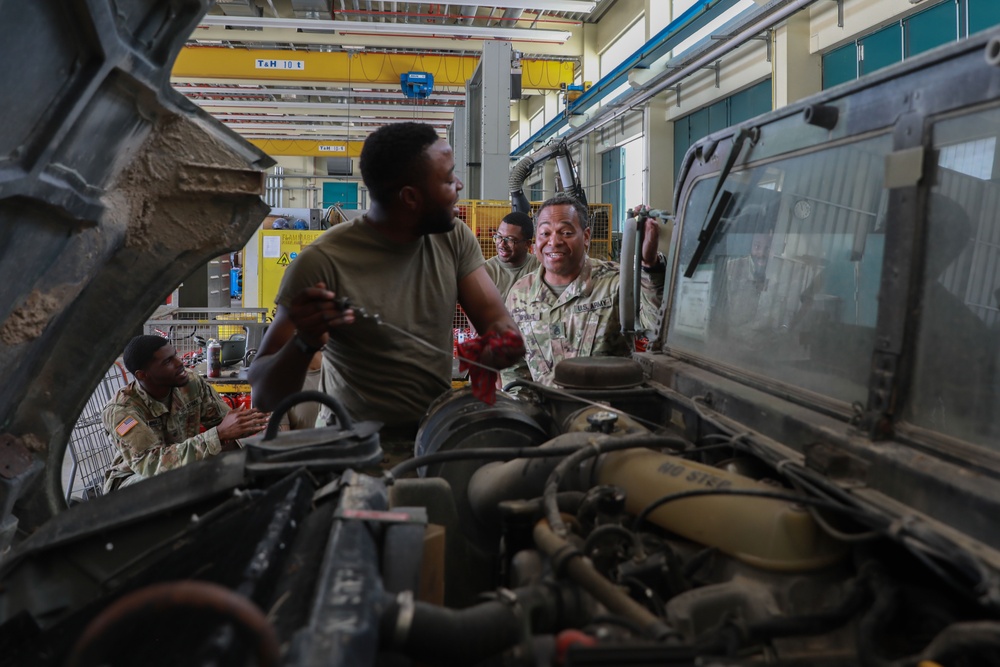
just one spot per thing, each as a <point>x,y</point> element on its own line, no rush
<point>958,338</point>
<point>787,288</point>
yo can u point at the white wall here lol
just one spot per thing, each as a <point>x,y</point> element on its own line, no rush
<point>795,71</point>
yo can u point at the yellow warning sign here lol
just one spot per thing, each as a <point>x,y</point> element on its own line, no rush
<point>275,251</point>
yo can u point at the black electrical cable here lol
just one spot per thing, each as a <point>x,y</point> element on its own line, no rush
<point>865,536</point>
<point>482,453</point>
<point>914,537</point>
<point>976,578</point>
<point>816,483</point>
<point>774,495</point>
<point>922,547</point>
<point>927,539</point>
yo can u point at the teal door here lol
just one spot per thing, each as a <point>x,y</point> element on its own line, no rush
<point>345,194</point>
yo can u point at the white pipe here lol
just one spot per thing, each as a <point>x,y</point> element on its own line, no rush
<point>609,113</point>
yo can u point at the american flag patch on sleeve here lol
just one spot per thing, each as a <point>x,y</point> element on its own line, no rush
<point>126,425</point>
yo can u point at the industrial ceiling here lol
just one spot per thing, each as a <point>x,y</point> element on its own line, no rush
<point>292,74</point>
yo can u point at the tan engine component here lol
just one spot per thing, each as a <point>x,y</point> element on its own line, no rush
<point>764,532</point>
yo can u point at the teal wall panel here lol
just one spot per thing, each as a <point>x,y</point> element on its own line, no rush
<point>931,28</point>
<point>840,65</point>
<point>881,49</point>
<point>345,194</point>
<point>734,109</point>
<point>983,14</point>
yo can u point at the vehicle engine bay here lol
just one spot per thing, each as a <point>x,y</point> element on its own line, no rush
<point>801,469</point>
<point>541,532</point>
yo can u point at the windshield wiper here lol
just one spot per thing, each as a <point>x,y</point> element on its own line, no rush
<point>721,199</point>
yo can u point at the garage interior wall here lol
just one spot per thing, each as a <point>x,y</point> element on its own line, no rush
<point>808,52</point>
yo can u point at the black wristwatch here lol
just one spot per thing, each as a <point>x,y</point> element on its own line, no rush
<point>659,267</point>
<point>304,347</point>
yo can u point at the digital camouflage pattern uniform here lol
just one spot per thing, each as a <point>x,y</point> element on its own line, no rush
<point>504,276</point>
<point>581,322</point>
<point>153,437</point>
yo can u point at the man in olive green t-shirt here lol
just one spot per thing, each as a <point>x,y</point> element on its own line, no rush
<point>514,258</point>
<point>408,261</point>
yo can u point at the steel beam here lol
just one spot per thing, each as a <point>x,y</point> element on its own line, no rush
<point>309,147</point>
<point>356,68</point>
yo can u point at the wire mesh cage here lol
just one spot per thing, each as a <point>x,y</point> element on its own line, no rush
<point>484,216</point>
<point>90,452</point>
<point>183,327</point>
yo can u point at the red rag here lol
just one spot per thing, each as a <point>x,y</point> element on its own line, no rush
<point>483,380</point>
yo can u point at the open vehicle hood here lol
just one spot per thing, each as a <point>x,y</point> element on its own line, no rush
<point>113,188</point>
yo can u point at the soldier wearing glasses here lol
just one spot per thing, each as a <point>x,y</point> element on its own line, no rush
<point>513,259</point>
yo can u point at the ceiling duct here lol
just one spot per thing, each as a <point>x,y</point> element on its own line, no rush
<point>239,8</point>
<point>313,9</point>
<point>468,13</point>
<point>510,17</point>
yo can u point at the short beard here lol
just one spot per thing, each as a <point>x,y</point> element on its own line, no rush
<point>438,223</point>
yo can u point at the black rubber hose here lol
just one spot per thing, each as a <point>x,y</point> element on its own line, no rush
<point>874,621</point>
<point>573,442</point>
<point>440,636</point>
<point>287,403</point>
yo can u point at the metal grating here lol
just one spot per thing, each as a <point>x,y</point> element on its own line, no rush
<point>184,326</point>
<point>90,452</point>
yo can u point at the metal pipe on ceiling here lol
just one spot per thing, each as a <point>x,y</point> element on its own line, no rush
<point>510,17</point>
<point>411,30</point>
<point>469,14</point>
<point>264,118</point>
<point>767,17</point>
<point>771,18</point>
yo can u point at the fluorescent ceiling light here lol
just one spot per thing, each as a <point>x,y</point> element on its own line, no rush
<point>582,6</point>
<point>406,29</point>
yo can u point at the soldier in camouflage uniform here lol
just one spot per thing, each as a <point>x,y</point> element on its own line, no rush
<point>514,260</point>
<point>569,306</point>
<point>156,420</point>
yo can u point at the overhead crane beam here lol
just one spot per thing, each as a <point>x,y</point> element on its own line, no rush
<point>430,110</point>
<point>303,67</point>
<point>309,147</point>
